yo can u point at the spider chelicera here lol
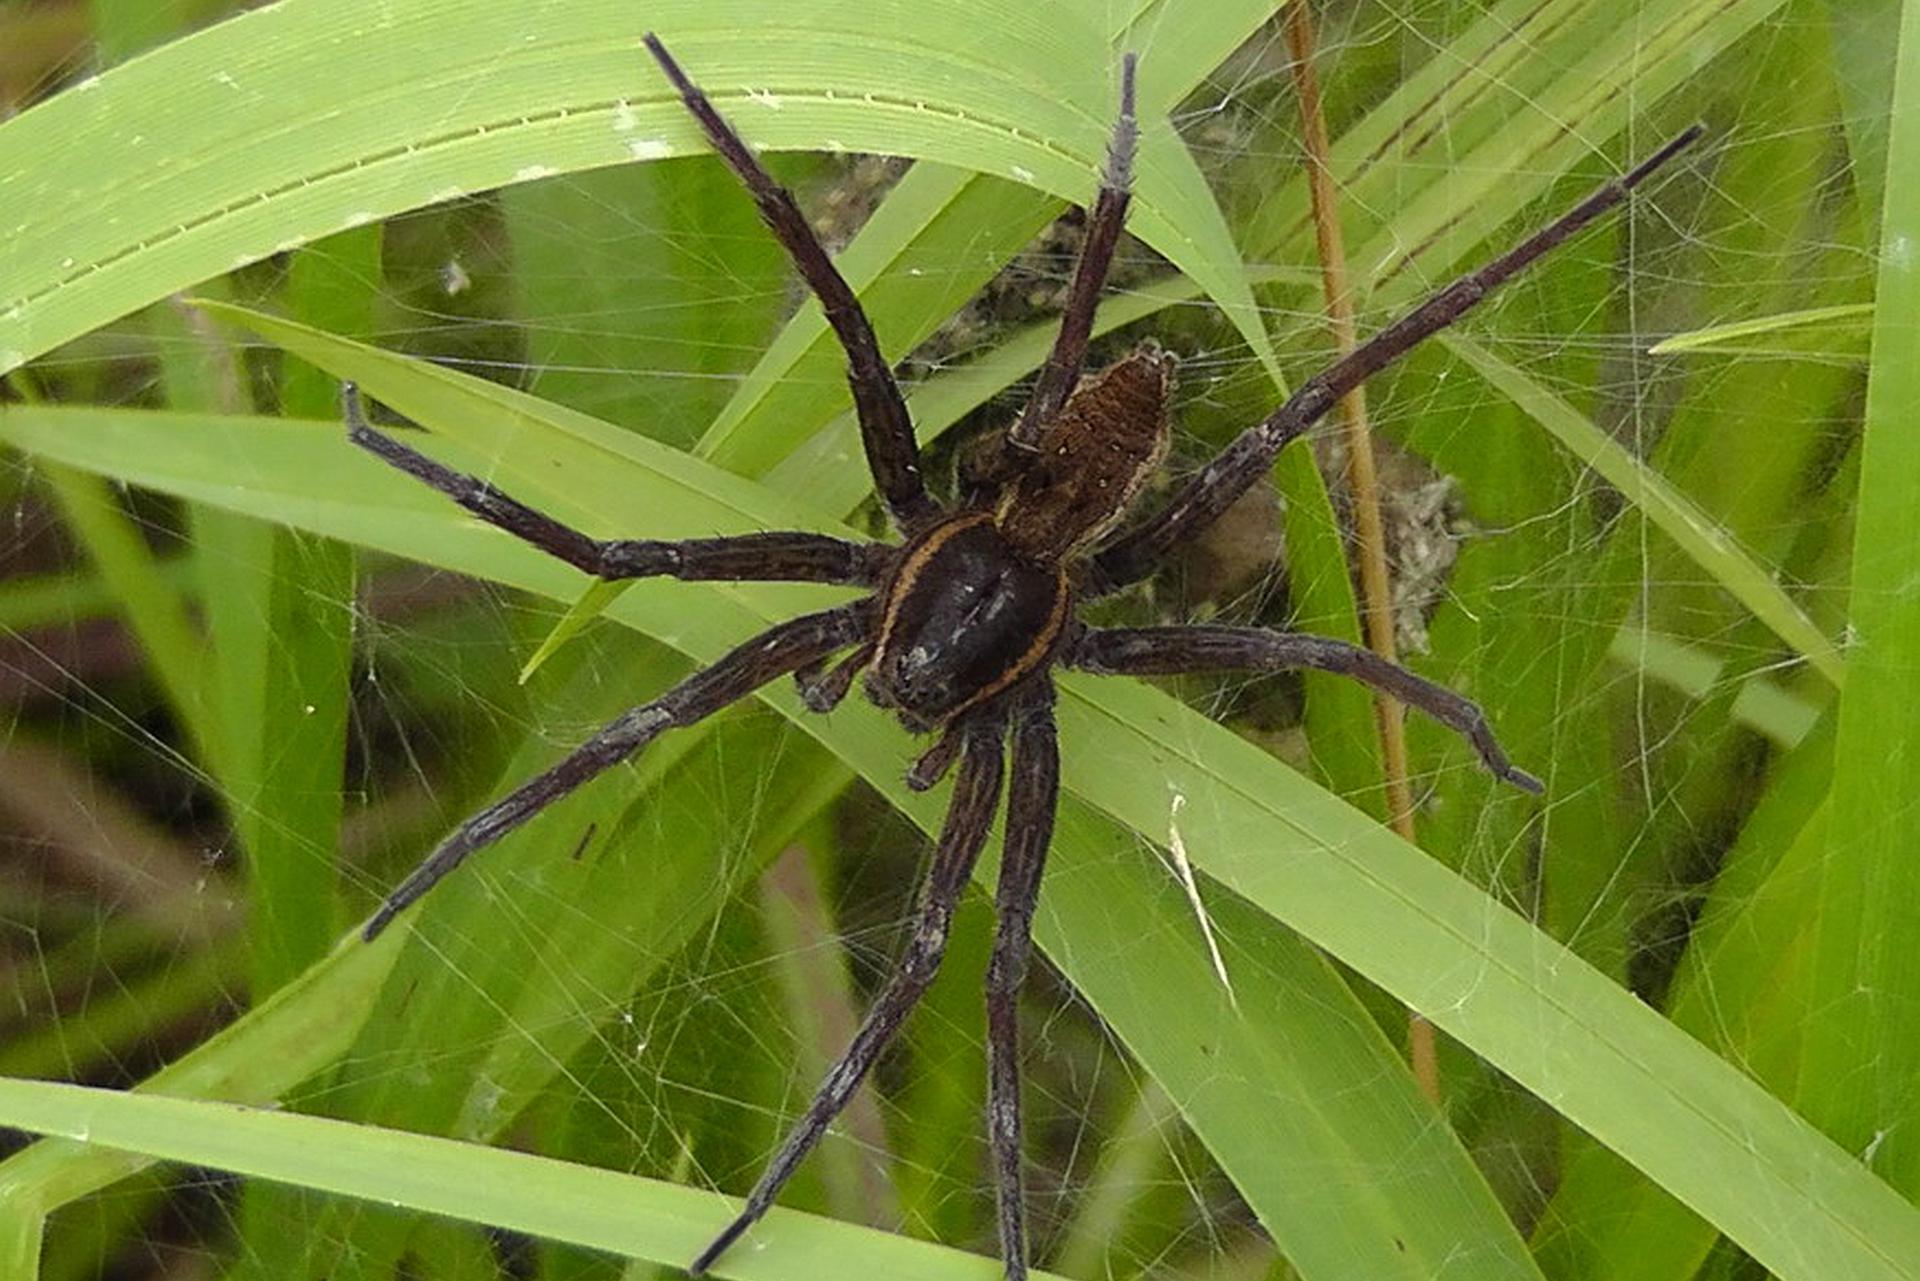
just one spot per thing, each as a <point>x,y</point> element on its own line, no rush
<point>971,611</point>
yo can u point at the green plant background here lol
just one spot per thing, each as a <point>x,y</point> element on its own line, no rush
<point>1677,995</point>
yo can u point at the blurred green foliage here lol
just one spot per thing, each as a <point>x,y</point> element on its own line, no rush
<point>227,734</point>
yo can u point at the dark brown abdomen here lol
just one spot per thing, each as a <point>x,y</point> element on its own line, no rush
<point>1108,439</point>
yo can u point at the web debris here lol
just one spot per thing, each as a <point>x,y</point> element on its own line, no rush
<point>1184,869</point>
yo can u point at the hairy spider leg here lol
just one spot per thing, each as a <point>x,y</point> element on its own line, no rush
<point>823,688</point>
<point>791,556</point>
<point>803,646</point>
<point>885,428</point>
<point>1171,651</point>
<point>1032,799</point>
<point>1109,215</point>
<point>976,794</point>
<point>1236,468</point>
<point>932,765</point>
<point>775,652</point>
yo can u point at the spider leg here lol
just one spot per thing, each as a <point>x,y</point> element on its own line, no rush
<point>822,688</point>
<point>1247,459</point>
<point>932,765</point>
<point>976,794</point>
<point>1062,370</point>
<point>791,556</point>
<point>885,428</point>
<point>774,652</point>
<point>1166,651</point>
<point>1031,801</point>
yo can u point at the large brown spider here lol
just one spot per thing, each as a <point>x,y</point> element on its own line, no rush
<point>971,611</point>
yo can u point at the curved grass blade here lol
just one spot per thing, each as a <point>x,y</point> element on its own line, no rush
<point>554,451</point>
<point>1117,925</point>
<point>1694,530</point>
<point>1861,1050</point>
<point>941,234</point>
<point>1739,989</point>
<point>538,467</point>
<point>589,605</point>
<point>557,1200</point>
<point>43,600</point>
<point>154,607</point>
<point>1693,1123</point>
<point>827,467</point>
<point>1848,320</point>
<point>191,174</point>
<point>1128,941</point>
<point>1762,705</point>
<point>527,960</point>
<point>298,1031</point>
<point>1471,137</point>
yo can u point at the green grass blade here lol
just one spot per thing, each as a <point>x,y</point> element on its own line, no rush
<point>902,264</point>
<point>526,459</point>
<point>153,603</point>
<point>602,1209</point>
<point>636,269</point>
<point>828,466</point>
<point>1738,990</point>
<point>1516,100</point>
<point>821,1001</point>
<point>301,1029</point>
<point>1645,781</point>
<point>645,290</point>
<point>1849,319</point>
<point>498,93</point>
<point>538,465</point>
<point>637,940</point>
<point>1863,31</point>
<point>1476,133</point>
<point>942,1152</point>
<point>1739,1157</point>
<point>1677,516</point>
<point>1355,1140</point>
<point>280,615</point>
<point>1761,705</point>
<point>512,998</point>
<point>589,605</point>
<point>940,235</point>
<point>112,1026</point>
<point>1863,1021</point>
<point>1093,1243</point>
<point>41,600</point>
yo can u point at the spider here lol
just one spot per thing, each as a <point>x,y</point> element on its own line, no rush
<point>970,612</point>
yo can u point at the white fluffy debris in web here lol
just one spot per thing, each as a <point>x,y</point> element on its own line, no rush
<point>454,279</point>
<point>1183,868</point>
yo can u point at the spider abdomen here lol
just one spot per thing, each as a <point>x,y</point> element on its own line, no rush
<point>965,616</point>
<point>1108,439</point>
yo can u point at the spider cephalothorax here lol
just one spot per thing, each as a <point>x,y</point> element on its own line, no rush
<point>965,616</point>
<point>968,616</point>
<point>982,599</point>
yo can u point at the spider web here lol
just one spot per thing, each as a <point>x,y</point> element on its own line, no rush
<point>702,932</point>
